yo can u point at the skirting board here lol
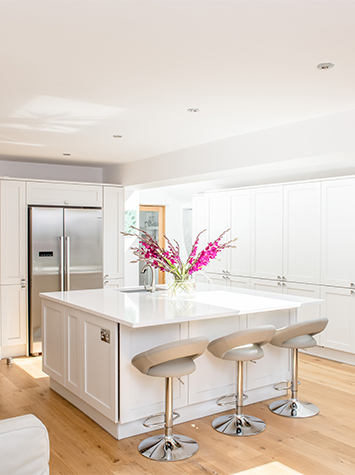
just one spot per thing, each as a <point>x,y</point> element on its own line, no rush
<point>187,413</point>
<point>329,354</point>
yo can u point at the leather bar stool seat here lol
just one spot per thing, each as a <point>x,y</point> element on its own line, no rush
<point>167,361</point>
<point>298,335</point>
<point>245,345</point>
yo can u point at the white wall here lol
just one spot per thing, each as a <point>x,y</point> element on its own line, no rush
<point>42,171</point>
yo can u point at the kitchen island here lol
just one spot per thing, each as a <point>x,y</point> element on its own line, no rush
<point>90,337</point>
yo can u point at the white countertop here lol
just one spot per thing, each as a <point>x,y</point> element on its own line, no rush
<point>142,309</point>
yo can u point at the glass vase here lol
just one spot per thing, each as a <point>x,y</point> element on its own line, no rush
<point>182,288</point>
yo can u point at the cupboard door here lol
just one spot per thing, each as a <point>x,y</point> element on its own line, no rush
<point>219,222</point>
<point>239,202</point>
<point>113,224</point>
<point>100,365</point>
<point>239,282</point>
<point>339,308</point>
<point>267,232</point>
<point>13,236</point>
<point>302,233</point>
<point>73,331</point>
<point>200,219</point>
<point>64,194</point>
<point>53,352</point>
<point>13,299</point>
<point>338,233</point>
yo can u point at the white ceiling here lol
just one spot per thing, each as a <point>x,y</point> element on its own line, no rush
<point>74,73</point>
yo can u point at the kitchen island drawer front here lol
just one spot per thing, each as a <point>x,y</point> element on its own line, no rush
<point>64,194</point>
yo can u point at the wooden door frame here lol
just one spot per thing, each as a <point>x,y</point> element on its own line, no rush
<point>161,240</point>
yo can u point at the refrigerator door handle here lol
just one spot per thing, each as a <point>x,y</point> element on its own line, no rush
<point>61,263</point>
<point>67,263</point>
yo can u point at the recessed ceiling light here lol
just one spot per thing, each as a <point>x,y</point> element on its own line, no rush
<point>116,136</point>
<point>325,66</point>
<point>193,109</point>
<point>67,154</point>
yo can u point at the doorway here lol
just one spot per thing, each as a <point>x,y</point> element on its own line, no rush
<point>152,221</point>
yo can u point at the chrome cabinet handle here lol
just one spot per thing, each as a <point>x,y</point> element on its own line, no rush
<point>352,292</point>
<point>279,277</point>
<point>279,284</point>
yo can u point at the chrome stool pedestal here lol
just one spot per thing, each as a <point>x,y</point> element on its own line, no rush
<point>240,346</point>
<point>168,447</point>
<point>168,361</point>
<point>299,335</point>
<point>239,424</point>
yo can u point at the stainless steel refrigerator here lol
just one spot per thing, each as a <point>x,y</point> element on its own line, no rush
<point>65,253</point>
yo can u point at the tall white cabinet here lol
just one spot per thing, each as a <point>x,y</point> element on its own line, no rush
<point>295,238</point>
<point>13,267</point>
<point>15,196</point>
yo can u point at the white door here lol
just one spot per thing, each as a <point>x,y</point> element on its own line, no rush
<point>301,261</point>
<point>267,232</point>
<point>239,204</point>
<point>113,224</point>
<point>13,237</point>
<point>339,308</point>
<point>338,233</point>
<point>13,299</point>
<point>219,222</point>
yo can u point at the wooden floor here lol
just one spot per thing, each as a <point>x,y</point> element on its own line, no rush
<point>321,445</point>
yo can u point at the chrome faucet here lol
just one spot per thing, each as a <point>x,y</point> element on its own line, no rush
<point>152,286</point>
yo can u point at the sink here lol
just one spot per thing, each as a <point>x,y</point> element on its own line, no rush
<point>132,290</point>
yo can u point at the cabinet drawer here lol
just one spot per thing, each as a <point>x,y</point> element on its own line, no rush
<point>64,194</point>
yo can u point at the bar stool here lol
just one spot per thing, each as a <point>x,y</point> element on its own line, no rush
<point>298,335</point>
<point>168,361</point>
<point>240,346</point>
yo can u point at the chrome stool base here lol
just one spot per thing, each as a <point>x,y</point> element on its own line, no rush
<point>293,408</point>
<point>238,425</point>
<point>164,448</point>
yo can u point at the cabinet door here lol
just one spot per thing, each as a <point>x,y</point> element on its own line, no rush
<point>113,225</point>
<point>63,194</point>
<point>135,403</point>
<point>301,254</point>
<point>338,233</point>
<point>219,222</point>
<point>239,282</point>
<point>200,219</point>
<point>73,354</point>
<point>53,351</point>
<point>339,308</point>
<point>13,237</point>
<point>13,300</point>
<point>100,365</point>
<point>239,203</point>
<point>267,231</point>
<point>266,285</point>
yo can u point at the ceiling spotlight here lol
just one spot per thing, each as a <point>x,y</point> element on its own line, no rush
<point>116,136</point>
<point>193,109</point>
<point>67,154</point>
<point>325,66</point>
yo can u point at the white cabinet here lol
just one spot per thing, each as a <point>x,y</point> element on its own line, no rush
<point>240,222</point>
<point>80,352</point>
<point>113,225</point>
<point>286,232</point>
<point>13,312</point>
<point>339,308</point>
<point>64,194</point>
<point>211,212</point>
<point>338,233</point>
<point>267,232</point>
<point>13,268</point>
<point>13,237</point>
<point>301,228</point>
